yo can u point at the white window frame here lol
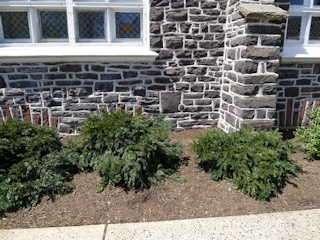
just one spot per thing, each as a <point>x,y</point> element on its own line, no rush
<point>128,49</point>
<point>302,50</point>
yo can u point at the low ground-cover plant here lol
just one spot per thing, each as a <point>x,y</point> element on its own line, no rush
<point>256,161</point>
<point>27,169</point>
<point>310,135</point>
<point>132,151</point>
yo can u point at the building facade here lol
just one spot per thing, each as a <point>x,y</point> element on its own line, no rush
<point>200,63</point>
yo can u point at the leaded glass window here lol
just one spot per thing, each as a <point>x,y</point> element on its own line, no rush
<point>128,25</point>
<point>53,24</point>
<point>15,25</point>
<point>91,25</point>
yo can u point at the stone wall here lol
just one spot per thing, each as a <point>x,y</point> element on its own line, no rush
<point>298,88</point>
<point>298,92</point>
<point>183,83</point>
<point>248,95</point>
<point>216,67</point>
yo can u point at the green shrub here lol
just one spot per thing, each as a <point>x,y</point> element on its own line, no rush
<point>27,169</point>
<point>310,135</point>
<point>22,141</point>
<point>132,151</point>
<point>256,161</point>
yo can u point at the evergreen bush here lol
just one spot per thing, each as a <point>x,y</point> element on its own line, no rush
<point>256,161</point>
<point>27,169</point>
<point>310,135</point>
<point>132,151</point>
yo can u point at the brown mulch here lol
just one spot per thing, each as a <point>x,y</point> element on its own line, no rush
<point>196,197</point>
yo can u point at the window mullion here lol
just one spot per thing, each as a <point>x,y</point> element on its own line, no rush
<point>109,25</point>
<point>145,19</point>
<point>1,30</point>
<point>71,22</point>
<point>34,25</point>
<point>306,32</point>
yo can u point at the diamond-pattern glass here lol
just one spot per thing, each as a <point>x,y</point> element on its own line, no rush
<point>91,25</point>
<point>15,25</point>
<point>128,25</point>
<point>315,29</point>
<point>53,24</point>
<point>293,28</point>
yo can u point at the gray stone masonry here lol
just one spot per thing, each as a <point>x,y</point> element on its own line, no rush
<point>298,92</point>
<point>215,68</point>
<point>249,82</point>
<point>183,83</point>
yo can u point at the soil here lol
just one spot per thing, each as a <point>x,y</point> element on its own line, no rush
<point>196,197</point>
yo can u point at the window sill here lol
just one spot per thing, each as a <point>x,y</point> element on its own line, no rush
<point>297,54</point>
<point>75,54</point>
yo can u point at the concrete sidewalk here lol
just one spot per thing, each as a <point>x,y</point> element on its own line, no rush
<point>286,225</point>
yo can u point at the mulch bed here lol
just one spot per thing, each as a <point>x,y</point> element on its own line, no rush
<point>196,197</point>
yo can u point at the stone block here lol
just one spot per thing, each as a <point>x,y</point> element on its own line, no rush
<point>159,3</point>
<point>155,28</point>
<point>98,68</point>
<point>184,54</point>
<point>17,76</point>
<point>212,94</point>
<point>156,42</point>
<point>177,15</point>
<point>139,91</point>
<point>130,74</point>
<point>80,91</point>
<point>92,76</point>
<point>257,78</point>
<point>263,29</point>
<point>174,72</point>
<point>242,113</point>
<point>111,98</point>
<point>197,70</point>
<point>269,40</point>
<point>13,92</point>
<point>291,92</point>
<point>269,89</point>
<point>227,98</point>
<point>130,82</point>
<point>244,41</point>
<point>53,76</point>
<point>71,68</point>
<point>260,53</point>
<point>32,69</point>
<point>104,86</point>
<point>2,83</point>
<point>156,14</point>
<point>245,67</point>
<point>255,102</point>
<point>165,54</point>
<point>68,83</point>
<point>262,12</point>
<point>169,28</point>
<point>111,76</point>
<point>245,90</point>
<point>174,43</point>
<point>192,3</point>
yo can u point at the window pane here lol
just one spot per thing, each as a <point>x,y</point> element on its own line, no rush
<point>128,25</point>
<point>315,29</point>
<point>15,25</point>
<point>293,28</point>
<point>296,2</point>
<point>91,25</point>
<point>53,24</point>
